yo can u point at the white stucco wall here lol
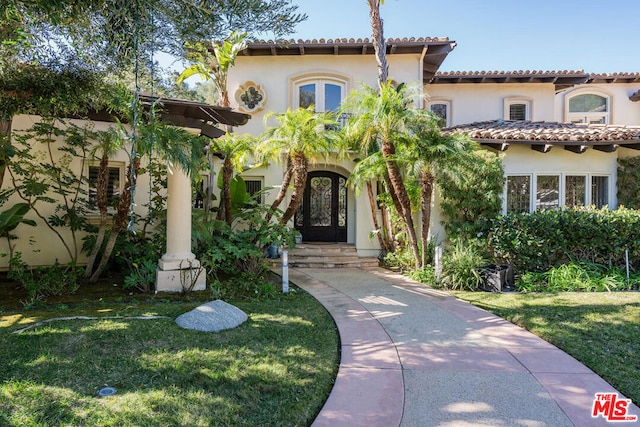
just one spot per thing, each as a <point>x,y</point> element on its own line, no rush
<point>485,101</point>
<point>277,75</point>
<point>39,245</point>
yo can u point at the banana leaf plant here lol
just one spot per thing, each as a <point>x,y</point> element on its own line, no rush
<point>10,219</point>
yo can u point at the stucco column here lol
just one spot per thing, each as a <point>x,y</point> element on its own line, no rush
<point>178,268</point>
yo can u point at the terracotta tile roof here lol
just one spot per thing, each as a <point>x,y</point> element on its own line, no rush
<point>547,132</point>
<point>350,41</point>
<point>435,49</point>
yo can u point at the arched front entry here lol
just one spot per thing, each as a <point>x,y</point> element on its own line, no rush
<point>323,215</point>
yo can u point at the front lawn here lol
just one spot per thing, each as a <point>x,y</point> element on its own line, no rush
<point>600,329</point>
<point>274,370</point>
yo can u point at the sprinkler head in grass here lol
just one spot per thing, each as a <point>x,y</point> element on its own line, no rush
<point>106,391</point>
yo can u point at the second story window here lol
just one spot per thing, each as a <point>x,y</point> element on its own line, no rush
<point>326,94</point>
<point>591,108</point>
<point>518,109</point>
<point>442,110</point>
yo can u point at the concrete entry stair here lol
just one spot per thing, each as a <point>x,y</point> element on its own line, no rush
<point>327,255</point>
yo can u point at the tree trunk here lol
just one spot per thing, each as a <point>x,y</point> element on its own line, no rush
<point>377,36</point>
<point>397,183</point>
<point>120,220</point>
<point>374,216</point>
<point>5,140</point>
<point>102,187</point>
<point>426,191</point>
<point>387,228</point>
<point>299,170</point>
<point>227,175</point>
<point>286,180</point>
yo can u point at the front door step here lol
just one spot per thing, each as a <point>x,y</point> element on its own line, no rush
<point>340,255</point>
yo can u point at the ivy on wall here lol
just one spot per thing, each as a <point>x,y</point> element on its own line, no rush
<point>629,182</point>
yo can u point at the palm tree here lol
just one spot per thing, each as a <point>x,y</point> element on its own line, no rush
<point>215,66</point>
<point>179,147</point>
<point>365,173</point>
<point>377,36</point>
<point>235,149</point>
<point>109,143</point>
<point>385,116</point>
<point>304,136</point>
<point>430,154</point>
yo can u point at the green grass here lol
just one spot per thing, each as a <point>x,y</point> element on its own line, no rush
<point>600,329</point>
<point>274,370</point>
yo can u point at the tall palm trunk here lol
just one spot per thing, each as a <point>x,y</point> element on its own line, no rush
<point>426,191</point>
<point>397,186</point>
<point>387,228</point>
<point>300,168</point>
<point>377,36</point>
<point>5,135</point>
<point>374,216</point>
<point>101,200</point>
<point>286,180</point>
<point>120,220</point>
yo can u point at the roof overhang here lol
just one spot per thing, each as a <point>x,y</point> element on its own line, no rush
<point>560,79</point>
<point>182,113</point>
<point>543,136</point>
<point>435,50</point>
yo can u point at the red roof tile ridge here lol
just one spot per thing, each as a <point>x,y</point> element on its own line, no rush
<point>508,73</point>
<point>344,40</point>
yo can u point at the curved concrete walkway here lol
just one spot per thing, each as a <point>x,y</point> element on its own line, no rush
<point>414,356</point>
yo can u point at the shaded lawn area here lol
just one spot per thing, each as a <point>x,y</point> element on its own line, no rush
<point>276,369</point>
<point>600,329</point>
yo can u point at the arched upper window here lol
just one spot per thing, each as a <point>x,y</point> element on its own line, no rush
<point>324,91</point>
<point>588,107</point>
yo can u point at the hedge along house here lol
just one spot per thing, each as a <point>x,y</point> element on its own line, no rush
<point>561,132</point>
<point>199,118</point>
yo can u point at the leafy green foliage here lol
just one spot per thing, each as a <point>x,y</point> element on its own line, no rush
<point>462,267</point>
<point>142,276</point>
<point>426,275</point>
<point>238,252</point>
<point>471,190</point>
<point>544,239</point>
<point>629,182</point>
<point>42,282</point>
<point>578,276</point>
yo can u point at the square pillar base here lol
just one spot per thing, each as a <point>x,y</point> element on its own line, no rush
<point>177,280</point>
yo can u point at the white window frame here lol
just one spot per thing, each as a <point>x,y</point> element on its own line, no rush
<point>587,117</point>
<point>121,166</point>
<point>320,80</point>
<point>259,179</point>
<point>440,101</point>
<point>517,100</point>
<point>533,177</point>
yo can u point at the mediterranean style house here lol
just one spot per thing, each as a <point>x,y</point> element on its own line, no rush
<point>560,132</point>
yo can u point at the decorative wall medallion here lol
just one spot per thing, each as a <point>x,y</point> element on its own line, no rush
<point>250,97</point>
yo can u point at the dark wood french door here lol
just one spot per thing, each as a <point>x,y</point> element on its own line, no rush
<point>323,214</point>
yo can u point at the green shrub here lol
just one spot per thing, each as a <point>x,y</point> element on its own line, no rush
<point>545,239</point>
<point>461,267</point>
<point>578,277</point>
<point>42,282</point>
<point>426,275</point>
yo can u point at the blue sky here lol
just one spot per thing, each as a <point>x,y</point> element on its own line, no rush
<point>593,35</point>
